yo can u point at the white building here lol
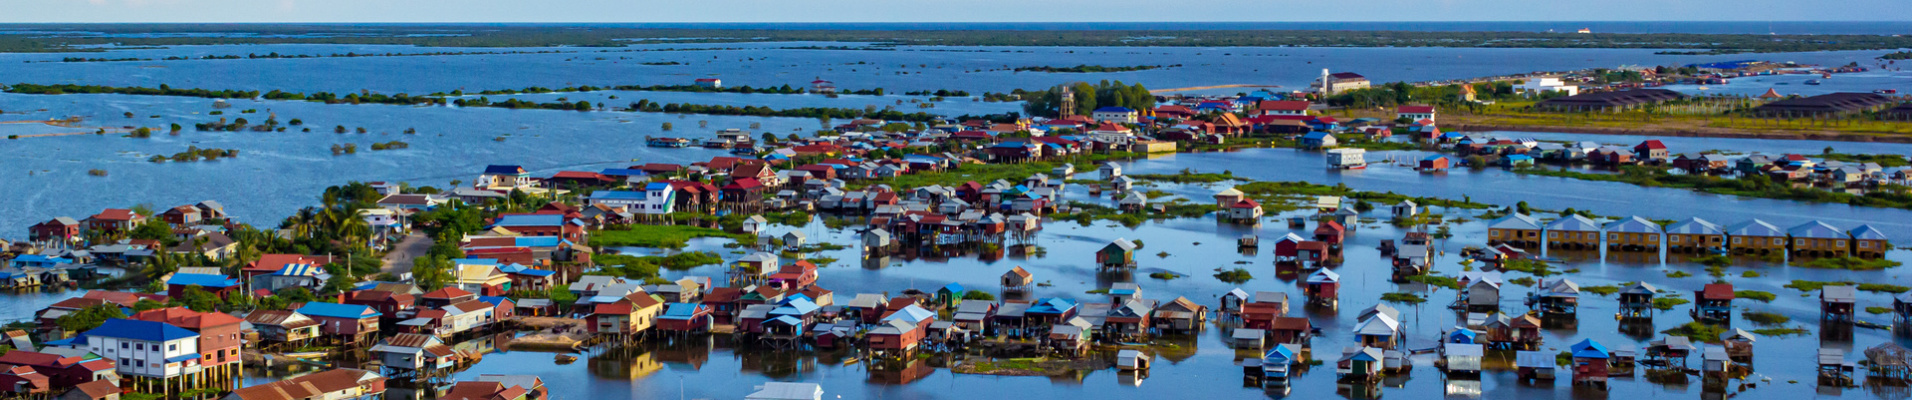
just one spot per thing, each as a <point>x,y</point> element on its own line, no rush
<point>503,176</point>
<point>656,198</point>
<point>145,348</point>
<point>1120,115</point>
<point>1347,158</point>
<point>1547,84</point>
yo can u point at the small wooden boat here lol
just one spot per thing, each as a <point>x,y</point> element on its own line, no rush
<point>566,359</point>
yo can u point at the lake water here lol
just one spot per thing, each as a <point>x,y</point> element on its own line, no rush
<point>277,173</point>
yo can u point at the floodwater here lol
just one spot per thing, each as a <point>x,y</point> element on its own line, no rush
<point>276,173</point>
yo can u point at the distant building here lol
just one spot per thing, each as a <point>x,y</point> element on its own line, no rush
<point>823,86</point>
<point>1120,115</point>
<point>1547,84</point>
<point>1331,83</point>
<point>712,83</point>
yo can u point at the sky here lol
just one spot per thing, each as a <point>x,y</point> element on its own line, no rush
<point>560,11</point>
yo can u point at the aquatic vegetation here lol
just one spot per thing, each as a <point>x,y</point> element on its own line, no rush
<point>392,145</point>
<point>97,172</point>
<point>1186,176</point>
<point>1603,290</point>
<point>1523,281</point>
<point>1756,188</point>
<point>1403,298</point>
<point>1697,331</point>
<point>1435,280</point>
<point>1236,276</point>
<point>661,236</point>
<point>1164,275</point>
<point>1876,310</point>
<point>1092,68</point>
<point>1749,274</point>
<point>1766,318</point>
<point>1530,266</point>
<point>1848,263</point>
<point>1678,274</point>
<point>1777,332</point>
<point>978,295</point>
<point>1755,295</point>
<point>1667,303</point>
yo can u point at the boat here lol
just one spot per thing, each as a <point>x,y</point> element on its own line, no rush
<point>1814,82</point>
<point>669,142</point>
<point>1886,91</point>
<point>566,359</point>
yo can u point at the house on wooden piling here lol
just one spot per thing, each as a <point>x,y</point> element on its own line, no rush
<point>1670,352</point>
<point>1694,235</point>
<point>1573,232</point>
<point>1379,326</point>
<point>1071,337</point>
<point>1634,234</point>
<point>1131,360</point>
<point>1017,280</point>
<point>1517,333</point>
<point>1738,344</point>
<point>898,334</point>
<point>1902,308</point>
<point>1516,229</point>
<point>1330,232</point>
<point>1117,254</point>
<point>1231,302</point>
<point>1277,363</point>
<point>1462,358</point>
<point>1636,300</point>
<point>1833,367</point>
<point>1590,363</point>
<point>283,326</point>
<point>143,365</point>
<point>1818,239</point>
<point>1359,364</point>
<point>345,322</point>
<point>1889,361</point>
<point>1179,316</point>
<point>1291,330</point>
<point>1836,303</point>
<point>1755,236</point>
<point>1534,366</point>
<point>1556,298</point>
<point>949,296</point>
<point>685,318</point>
<point>1713,303</point>
<point>1323,287</point>
<point>1715,366</point>
<point>1480,291</point>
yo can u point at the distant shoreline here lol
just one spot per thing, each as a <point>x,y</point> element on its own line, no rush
<point>1678,36</point>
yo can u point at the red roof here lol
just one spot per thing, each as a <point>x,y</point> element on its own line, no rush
<point>1282,105</point>
<point>744,184</point>
<point>115,214</point>
<point>184,318</point>
<point>1415,109</point>
<point>1717,291</point>
<point>1248,203</point>
<point>577,175</point>
<point>447,293</point>
<point>1652,144</point>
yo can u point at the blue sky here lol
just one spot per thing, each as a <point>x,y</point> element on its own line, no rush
<point>29,11</point>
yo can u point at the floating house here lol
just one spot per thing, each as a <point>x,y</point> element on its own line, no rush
<point>1379,326</point>
<point>1323,287</point>
<point>1359,364</point>
<point>1277,365</point>
<point>1462,358</point>
<point>1869,242</point>
<point>1117,254</point>
<point>1556,298</point>
<point>1534,366</point>
<point>1836,303</point>
<point>1714,303</point>
<point>1636,300</point>
<point>1131,360</point>
<point>1017,280</point>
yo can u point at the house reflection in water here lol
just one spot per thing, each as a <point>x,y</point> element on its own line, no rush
<point>627,363</point>
<point>893,374</point>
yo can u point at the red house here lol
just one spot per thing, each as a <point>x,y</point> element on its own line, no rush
<point>114,220</point>
<point>60,229</point>
<point>1330,232</point>
<point>59,371</point>
<point>390,304</point>
<point>1651,150</point>
<point>218,333</point>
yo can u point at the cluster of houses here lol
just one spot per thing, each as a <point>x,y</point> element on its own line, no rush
<point>1813,238</point>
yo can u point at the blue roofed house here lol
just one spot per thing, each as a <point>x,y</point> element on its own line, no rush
<point>349,321</point>
<point>301,275</point>
<point>528,278</point>
<point>950,296</point>
<point>503,177</point>
<point>1317,140</point>
<point>144,349</point>
<point>218,285</point>
<point>656,198</point>
<point>1120,115</point>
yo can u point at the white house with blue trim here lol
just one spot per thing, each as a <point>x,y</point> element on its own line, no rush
<point>656,198</point>
<point>1120,115</point>
<point>145,348</point>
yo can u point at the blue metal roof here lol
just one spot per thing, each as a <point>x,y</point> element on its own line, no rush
<point>954,287</point>
<point>203,280</point>
<point>503,170</point>
<point>680,311</point>
<point>1114,109</point>
<point>623,172</point>
<point>299,270</point>
<point>140,330</point>
<point>1587,348</point>
<point>174,359</point>
<point>474,261</point>
<point>335,310</point>
<point>494,300</point>
<point>539,241</point>
<point>618,195</point>
<point>657,186</point>
<point>1052,306</point>
<point>531,219</point>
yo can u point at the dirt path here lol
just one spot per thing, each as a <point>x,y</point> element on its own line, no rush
<point>399,260</point>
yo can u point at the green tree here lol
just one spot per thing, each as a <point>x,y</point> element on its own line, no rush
<point>198,299</point>
<point>88,318</point>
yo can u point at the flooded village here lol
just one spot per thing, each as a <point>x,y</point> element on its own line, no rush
<point>1581,234</point>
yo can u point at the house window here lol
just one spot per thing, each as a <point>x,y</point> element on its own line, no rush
<point>139,346</point>
<point>1674,239</point>
<point>123,345</point>
<point>1865,244</point>
<point>1841,243</point>
<point>172,347</point>
<point>1735,240</point>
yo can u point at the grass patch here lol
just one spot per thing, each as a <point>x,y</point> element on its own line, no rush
<point>1848,263</point>
<point>1678,274</point>
<point>1667,303</point>
<point>1755,295</point>
<point>1522,281</point>
<point>1764,318</point>
<point>1186,176</point>
<point>1697,331</point>
<point>1403,298</point>
<point>1883,288</point>
<point>1749,274</point>
<point>1876,310</point>
<point>1235,276</point>
<point>1165,275</point>
<point>656,236</point>
<point>1533,267</point>
<point>1777,332</point>
<point>1436,280</point>
<point>1755,188</point>
<point>1602,290</point>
